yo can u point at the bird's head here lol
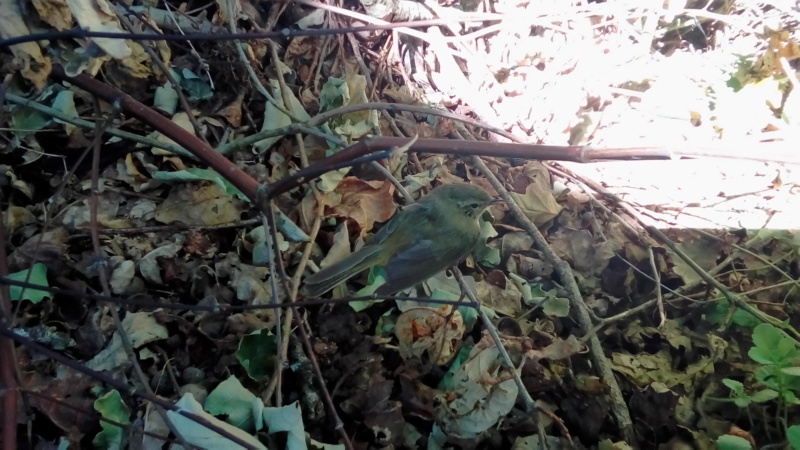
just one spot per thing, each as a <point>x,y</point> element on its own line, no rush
<point>466,198</point>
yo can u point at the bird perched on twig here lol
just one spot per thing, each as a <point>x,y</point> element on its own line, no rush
<point>420,241</point>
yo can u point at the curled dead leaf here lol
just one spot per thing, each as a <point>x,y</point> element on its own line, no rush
<point>483,392</point>
<point>435,331</point>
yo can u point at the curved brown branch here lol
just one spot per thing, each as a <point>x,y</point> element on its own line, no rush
<point>187,140</point>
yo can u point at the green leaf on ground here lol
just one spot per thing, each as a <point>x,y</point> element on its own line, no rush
<point>38,275</point>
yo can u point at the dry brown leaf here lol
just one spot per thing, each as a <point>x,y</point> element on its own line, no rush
<point>16,217</point>
<point>482,393</point>
<point>221,16</point>
<point>503,299</point>
<point>34,66</point>
<point>137,64</point>
<point>48,248</point>
<point>427,330</point>
<point>199,205</point>
<point>301,49</point>
<point>533,193</point>
<point>182,120</point>
<point>364,202</point>
<point>232,112</point>
<point>537,203</point>
<point>558,349</point>
<point>73,386</point>
<point>98,15</point>
<point>55,13</point>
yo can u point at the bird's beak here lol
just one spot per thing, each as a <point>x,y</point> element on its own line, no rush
<point>495,201</point>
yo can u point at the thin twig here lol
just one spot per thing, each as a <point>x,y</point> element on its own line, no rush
<point>618,406</point>
<point>103,271</point>
<point>194,52</point>
<point>249,68</point>
<point>144,140</point>
<point>530,405</point>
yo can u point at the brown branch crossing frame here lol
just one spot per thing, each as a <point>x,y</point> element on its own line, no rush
<point>250,187</point>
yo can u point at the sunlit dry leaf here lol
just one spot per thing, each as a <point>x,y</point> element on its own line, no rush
<point>315,18</point>
<point>357,89</point>
<point>533,193</point>
<point>404,94</point>
<point>538,204</point>
<point>351,90</point>
<point>331,179</point>
<point>301,48</point>
<point>275,118</point>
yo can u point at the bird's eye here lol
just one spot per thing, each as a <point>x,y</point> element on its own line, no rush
<point>474,206</point>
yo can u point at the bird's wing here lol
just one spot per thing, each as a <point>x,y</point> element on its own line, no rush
<point>369,255</point>
<point>419,262</point>
<point>402,221</point>
<point>327,278</point>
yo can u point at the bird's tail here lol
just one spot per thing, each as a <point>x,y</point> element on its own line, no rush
<point>327,278</point>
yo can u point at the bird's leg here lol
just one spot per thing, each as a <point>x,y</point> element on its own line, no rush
<point>447,320</point>
<point>441,343</point>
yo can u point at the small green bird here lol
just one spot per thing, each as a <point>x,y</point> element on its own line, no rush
<point>417,243</point>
